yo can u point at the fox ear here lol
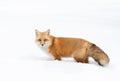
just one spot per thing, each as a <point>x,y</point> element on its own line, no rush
<point>36,32</point>
<point>48,32</point>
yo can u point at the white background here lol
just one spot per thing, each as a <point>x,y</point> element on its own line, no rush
<point>95,20</point>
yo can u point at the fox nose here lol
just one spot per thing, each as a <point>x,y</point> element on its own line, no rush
<point>42,44</point>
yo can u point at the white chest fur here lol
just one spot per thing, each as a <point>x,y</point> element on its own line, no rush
<point>44,48</point>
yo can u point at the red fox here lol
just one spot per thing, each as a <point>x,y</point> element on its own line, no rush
<point>77,48</point>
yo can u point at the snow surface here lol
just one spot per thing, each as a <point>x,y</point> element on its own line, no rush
<point>95,20</point>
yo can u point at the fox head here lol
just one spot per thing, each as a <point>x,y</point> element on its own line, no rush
<point>42,38</point>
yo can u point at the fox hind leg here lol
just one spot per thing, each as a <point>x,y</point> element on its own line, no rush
<point>80,55</point>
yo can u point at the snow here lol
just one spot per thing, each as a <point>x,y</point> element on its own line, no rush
<point>94,20</point>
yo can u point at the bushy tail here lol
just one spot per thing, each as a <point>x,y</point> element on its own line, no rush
<point>98,55</point>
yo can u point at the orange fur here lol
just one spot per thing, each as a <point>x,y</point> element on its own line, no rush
<point>77,48</point>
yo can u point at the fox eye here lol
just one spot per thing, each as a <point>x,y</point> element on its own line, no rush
<point>39,39</point>
<point>45,39</point>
